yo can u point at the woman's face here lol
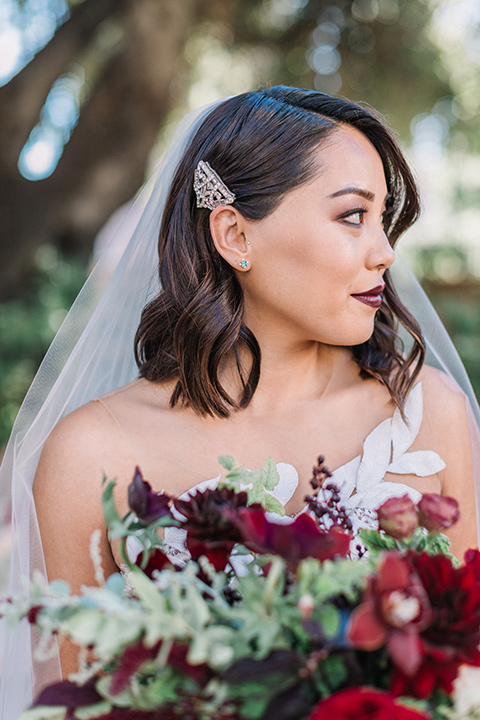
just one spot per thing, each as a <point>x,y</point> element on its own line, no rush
<point>317,262</point>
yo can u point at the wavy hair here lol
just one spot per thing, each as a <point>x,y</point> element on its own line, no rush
<point>260,143</point>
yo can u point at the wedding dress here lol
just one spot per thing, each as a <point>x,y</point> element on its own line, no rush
<point>92,355</point>
<point>361,481</point>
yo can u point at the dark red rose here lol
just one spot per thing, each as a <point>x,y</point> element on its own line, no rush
<point>394,611</point>
<point>437,512</point>
<point>452,636</point>
<point>209,519</point>
<point>363,704</point>
<point>293,541</point>
<point>436,671</point>
<point>147,505</point>
<point>398,517</point>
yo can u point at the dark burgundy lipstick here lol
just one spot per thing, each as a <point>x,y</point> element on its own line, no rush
<point>372,297</point>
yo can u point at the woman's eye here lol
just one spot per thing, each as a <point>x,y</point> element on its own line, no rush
<point>355,217</point>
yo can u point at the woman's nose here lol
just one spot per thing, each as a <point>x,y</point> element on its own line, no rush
<point>381,253</point>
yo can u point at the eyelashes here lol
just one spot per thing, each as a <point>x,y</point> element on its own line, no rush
<point>356,216</point>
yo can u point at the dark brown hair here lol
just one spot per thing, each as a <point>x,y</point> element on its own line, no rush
<point>260,143</point>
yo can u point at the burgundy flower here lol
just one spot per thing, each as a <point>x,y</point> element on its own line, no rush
<point>438,512</point>
<point>210,523</point>
<point>157,561</point>
<point>436,671</point>
<point>360,703</point>
<point>394,611</point>
<point>147,505</point>
<point>134,656</point>
<point>131,660</point>
<point>68,694</point>
<point>33,613</point>
<point>453,634</point>
<point>398,517</point>
<point>293,541</point>
<point>177,659</point>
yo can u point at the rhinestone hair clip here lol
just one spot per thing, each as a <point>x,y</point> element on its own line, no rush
<point>209,188</point>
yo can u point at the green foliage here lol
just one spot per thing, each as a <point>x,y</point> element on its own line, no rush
<point>256,483</point>
<point>28,325</point>
<point>433,543</point>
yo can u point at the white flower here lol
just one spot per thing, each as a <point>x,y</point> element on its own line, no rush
<point>466,693</point>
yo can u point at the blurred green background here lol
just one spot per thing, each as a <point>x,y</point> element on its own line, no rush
<point>90,91</point>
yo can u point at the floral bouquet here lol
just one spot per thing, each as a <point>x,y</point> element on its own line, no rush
<point>262,618</point>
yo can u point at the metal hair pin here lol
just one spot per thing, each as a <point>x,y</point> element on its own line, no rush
<point>209,188</point>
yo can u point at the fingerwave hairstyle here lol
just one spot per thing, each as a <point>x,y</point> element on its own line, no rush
<point>260,143</point>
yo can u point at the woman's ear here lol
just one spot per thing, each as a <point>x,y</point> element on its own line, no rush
<point>228,227</point>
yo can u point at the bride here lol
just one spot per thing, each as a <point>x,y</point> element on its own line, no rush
<point>278,331</point>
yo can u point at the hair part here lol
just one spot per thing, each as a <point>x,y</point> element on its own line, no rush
<point>260,144</point>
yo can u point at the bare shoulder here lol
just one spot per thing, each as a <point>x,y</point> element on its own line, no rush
<point>445,424</point>
<point>92,432</point>
<point>444,400</point>
<point>81,440</point>
<point>448,432</point>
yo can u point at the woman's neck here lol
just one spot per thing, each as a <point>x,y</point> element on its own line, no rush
<point>293,374</point>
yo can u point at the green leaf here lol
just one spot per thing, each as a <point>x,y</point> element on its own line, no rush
<point>164,687</point>
<point>123,699</point>
<point>83,627</point>
<point>115,632</point>
<point>376,540</point>
<point>112,519</point>
<point>116,584</point>
<point>256,494</point>
<point>329,620</point>
<point>94,711</point>
<point>226,461</point>
<point>271,504</point>
<point>145,589</point>
<point>44,713</point>
<point>331,674</point>
<point>270,475</point>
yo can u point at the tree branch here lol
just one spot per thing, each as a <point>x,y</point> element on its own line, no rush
<point>22,98</point>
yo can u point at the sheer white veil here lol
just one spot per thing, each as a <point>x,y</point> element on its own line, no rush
<point>93,354</point>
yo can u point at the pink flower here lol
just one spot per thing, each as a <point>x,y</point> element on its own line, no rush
<point>438,512</point>
<point>398,517</point>
<point>394,611</point>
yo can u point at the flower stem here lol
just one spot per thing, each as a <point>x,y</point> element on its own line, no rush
<point>274,577</point>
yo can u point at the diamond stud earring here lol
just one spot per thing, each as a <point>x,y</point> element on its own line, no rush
<point>243,263</point>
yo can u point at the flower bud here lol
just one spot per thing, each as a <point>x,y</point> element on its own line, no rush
<point>147,505</point>
<point>398,517</point>
<point>437,512</point>
<point>305,606</point>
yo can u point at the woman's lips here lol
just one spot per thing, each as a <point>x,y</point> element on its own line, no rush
<point>372,297</point>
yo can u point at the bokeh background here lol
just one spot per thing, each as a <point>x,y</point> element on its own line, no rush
<point>91,90</point>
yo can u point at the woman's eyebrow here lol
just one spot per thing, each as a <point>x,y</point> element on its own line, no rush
<point>352,190</point>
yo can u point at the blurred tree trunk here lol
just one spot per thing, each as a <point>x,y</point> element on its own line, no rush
<point>104,162</point>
